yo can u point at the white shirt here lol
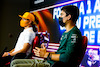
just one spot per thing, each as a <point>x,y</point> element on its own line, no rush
<point>26,36</point>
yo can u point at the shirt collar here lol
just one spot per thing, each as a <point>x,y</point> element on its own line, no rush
<point>30,28</point>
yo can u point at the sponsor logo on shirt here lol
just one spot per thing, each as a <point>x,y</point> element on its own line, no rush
<point>74,37</point>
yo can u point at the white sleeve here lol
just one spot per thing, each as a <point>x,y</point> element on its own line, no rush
<point>29,37</point>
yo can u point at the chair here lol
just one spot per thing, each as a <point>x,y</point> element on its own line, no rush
<point>34,43</point>
<point>84,46</point>
<point>40,38</point>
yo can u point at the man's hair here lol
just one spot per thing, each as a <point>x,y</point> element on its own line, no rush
<point>73,11</point>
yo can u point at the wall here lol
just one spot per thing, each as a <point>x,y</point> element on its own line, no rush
<point>9,21</point>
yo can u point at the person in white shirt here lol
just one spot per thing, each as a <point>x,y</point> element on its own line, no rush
<point>25,39</point>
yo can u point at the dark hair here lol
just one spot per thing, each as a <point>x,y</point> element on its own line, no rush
<point>73,11</point>
<point>33,25</point>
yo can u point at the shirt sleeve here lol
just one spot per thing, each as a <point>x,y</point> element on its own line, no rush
<point>29,38</point>
<point>70,48</point>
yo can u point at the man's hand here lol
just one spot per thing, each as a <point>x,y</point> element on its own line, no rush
<point>40,52</point>
<point>5,54</point>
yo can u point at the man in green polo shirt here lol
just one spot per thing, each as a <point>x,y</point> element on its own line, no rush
<point>71,41</point>
<point>70,48</point>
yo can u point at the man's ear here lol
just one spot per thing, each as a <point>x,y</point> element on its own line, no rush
<point>69,17</point>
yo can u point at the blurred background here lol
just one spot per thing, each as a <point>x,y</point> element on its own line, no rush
<point>9,21</point>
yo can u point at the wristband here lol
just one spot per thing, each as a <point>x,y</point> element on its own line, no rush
<point>49,57</point>
<point>8,54</point>
<point>48,54</point>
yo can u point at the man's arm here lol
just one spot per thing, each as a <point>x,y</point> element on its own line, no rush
<point>11,50</point>
<point>41,52</point>
<point>6,53</point>
<point>23,50</point>
<point>54,57</point>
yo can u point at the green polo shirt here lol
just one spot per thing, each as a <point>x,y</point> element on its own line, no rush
<point>70,47</point>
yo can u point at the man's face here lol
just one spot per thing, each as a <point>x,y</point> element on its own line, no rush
<point>65,16</point>
<point>24,22</point>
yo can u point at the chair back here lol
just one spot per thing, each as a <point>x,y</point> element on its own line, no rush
<point>84,46</point>
<point>41,37</point>
<point>35,43</point>
<point>84,43</point>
